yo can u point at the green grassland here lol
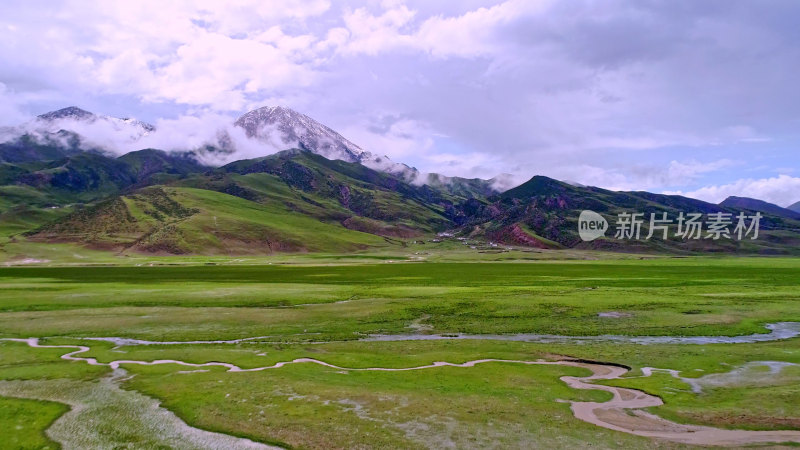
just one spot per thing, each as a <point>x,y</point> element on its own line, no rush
<point>659,297</point>
<point>27,420</point>
<point>317,306</point>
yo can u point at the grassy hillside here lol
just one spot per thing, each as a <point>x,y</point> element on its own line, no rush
<point>89,198</point>
<point>349,194</point>
<point>349,188</point>
<point>35,192</point>
<point>294,201</point>
<point>185,220</point>
<point>89,176</point>
<point>151,166</point>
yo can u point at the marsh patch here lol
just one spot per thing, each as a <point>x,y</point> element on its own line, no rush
<point>614,314</point>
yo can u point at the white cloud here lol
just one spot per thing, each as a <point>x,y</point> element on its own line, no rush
<point>682,173</point>
<point>558,88</point>
<point>195,53</point>
<point>10,113</point>
<point>204,70</point>
<point>782,190</point>
<point>192,132</point>
<point>475,32</point>
<point>370,34</point>
<point>400,139</point>
<point>468,165</point>
<point>635,177</point>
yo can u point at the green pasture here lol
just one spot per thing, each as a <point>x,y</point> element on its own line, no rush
<point>308,309</point>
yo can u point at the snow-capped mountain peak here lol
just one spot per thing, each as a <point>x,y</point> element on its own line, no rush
<point>148,128</point>
<point>76,127</point>
<point>64,116</point>
<point>70,112</point>
<point>284,126</point>
<point>67,118</point>
<point>260,132</point>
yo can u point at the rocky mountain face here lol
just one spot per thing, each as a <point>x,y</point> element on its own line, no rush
<point>544,212</point>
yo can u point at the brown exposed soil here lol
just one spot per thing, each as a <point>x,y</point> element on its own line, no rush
<point>514,234</point>
<point>378,228</point>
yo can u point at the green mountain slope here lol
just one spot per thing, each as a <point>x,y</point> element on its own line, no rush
<point>152,166</point>
<point>292,201</point>
<point>28,149</point>
<point>179,220</point>
<point>332,190</point>
<point>87,176</point>
<point>297,201</point>
<point>35,192</point>
<point>82,177</point>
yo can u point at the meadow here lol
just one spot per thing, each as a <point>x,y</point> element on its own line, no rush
<point>322,306</point>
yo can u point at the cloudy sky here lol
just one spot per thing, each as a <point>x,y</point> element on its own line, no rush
<point>697,96</point>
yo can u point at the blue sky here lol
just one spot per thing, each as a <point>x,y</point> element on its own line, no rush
<point>694,97</point>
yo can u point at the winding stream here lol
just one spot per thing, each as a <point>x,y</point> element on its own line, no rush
<point>624,412</point>
<point>103,415</point>
<point>777,331</point>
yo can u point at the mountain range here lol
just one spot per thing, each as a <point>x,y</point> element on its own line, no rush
<point>321,193</point>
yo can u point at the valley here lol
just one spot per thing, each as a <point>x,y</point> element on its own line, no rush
<point>324,297</point>
<point>284,357</point>
<point>153,202</point>
<point>397,224</point>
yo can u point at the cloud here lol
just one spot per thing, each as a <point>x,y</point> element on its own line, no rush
<point>782,190</point>
<point>369,34</point>
<point>401,139</point>
<point>475,33</point>
<point>10,113</point>
<point>471,34</point>
<point>193,53</point>
<point>682,173</point>
<point>204,69</point>
<point>195,133</point>
<point>577,90</point>
<point>638,177</point>
<point>469,165</point>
